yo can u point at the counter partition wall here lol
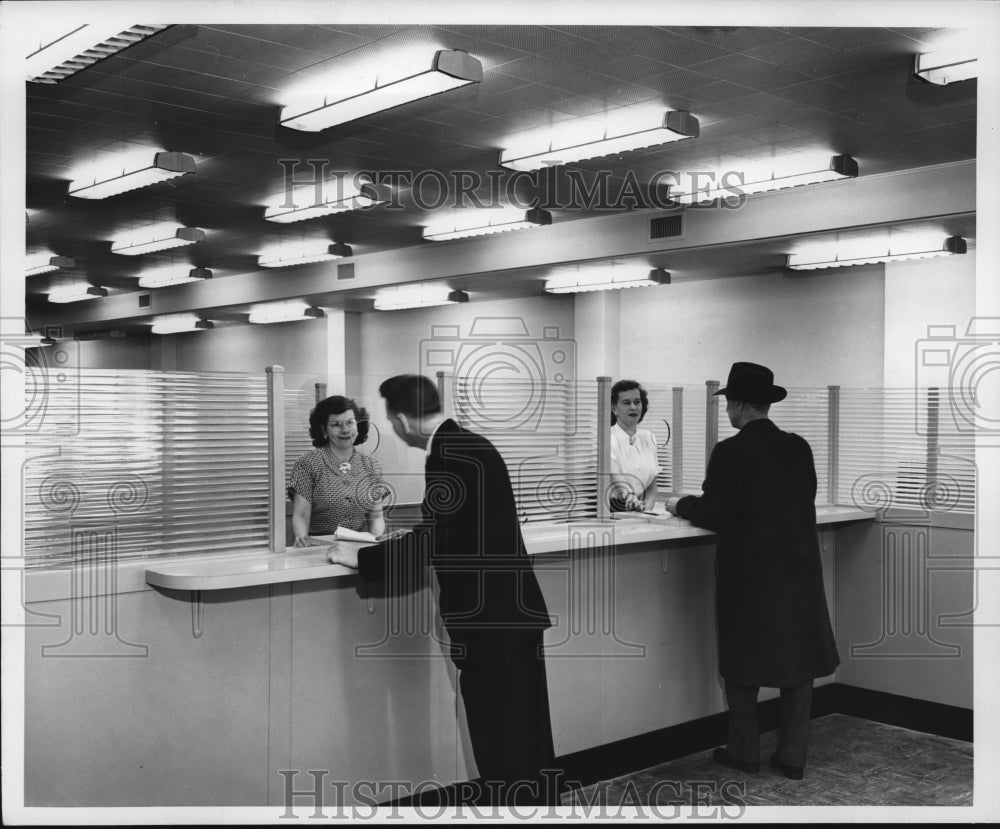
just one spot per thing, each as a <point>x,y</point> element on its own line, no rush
<point>139,464</point>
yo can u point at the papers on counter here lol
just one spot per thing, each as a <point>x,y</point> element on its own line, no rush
<point>344,534</point>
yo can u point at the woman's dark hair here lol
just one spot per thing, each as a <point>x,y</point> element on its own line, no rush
<point>628,385</point>
<point>336,405</point>
<point>411,394</point>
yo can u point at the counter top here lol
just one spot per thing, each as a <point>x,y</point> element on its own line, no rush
<point>298,564</point>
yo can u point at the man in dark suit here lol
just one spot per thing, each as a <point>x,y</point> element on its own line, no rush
<point>489,599</point>
<point>774,628</point>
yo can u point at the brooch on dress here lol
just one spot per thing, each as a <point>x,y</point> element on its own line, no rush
<point>344,468</point>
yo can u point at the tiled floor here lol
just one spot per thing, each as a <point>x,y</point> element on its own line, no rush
<point>852,762</point>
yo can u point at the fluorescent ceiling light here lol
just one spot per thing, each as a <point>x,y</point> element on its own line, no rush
<point>46,262</point>
<point>606,279</point>
<point>284,313</point>
<point>839,167</point>
<point>77,293</point>
<point>172,275</point>
<point>332,196</point>
<point>303,255</point>
<point>182,326</point>
<point>946,66</point>
<point>865,253</point>
<point>64,51</point>
<point>470,223</point>
<point>617,133</point>
<point>448,69</point>
<point>418,296</point>
<point>146,241</point>
<point>31,340</point>
<point>164,166</point>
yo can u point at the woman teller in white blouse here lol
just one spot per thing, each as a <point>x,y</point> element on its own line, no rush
<point>634,465</point>
<point>335,484</point>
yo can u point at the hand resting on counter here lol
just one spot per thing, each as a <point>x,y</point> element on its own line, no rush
<point>346,552</point>
<point>308,541</point>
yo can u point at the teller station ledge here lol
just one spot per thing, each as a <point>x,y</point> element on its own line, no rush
<point>238,668</point>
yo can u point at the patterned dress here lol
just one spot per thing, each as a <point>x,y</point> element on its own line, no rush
<point>338,498</point>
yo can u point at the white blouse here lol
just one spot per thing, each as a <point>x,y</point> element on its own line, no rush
<point>634,463</point>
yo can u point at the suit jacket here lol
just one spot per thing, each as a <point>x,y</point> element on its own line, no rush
<point>759,496</point>
<point>489,597</point>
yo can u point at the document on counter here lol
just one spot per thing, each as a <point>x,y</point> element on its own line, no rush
<point>344,534</point>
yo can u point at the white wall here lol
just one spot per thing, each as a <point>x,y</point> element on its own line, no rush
<point>812,331</point>
<point>924,292</point>
<point>301,347</point>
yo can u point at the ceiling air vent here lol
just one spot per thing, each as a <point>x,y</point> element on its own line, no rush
<point>345,271</point>
<point>145,300</point>
<point>664,227</point>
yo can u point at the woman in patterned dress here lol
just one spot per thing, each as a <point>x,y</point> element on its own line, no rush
<point>335,484</point>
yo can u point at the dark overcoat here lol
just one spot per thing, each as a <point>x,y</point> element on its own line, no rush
<point>759,497</point>
<point>489,598</point>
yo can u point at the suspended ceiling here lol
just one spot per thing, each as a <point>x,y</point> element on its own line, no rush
<point>215,92</point>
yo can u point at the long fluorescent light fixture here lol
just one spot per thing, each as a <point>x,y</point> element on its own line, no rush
<point>804,262</point>
<point>423,296</point>
<point>946,66</point>
<point>41,263</point>
<point>164,166</point>
<point>535,217</point>
<point>840,167</point>
<point>136,244</point>
<point>615,136</point>
<point>334,196</point>
<point>449,69</point>
<point>162,277</point>
<point>182,326</point>
<point>278,313</point>
<point>606,280</point>
<point>77,293</point>
<point>64,51</point>
<point>304,256</point>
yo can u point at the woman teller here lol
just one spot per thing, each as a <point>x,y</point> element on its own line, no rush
<point>335,484</point>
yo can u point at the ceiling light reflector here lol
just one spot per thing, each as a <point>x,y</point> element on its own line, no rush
<point>610,136</point>
<point>418,296</point>
<point>304,255</point>
<point>449,69</point>
<point>471,224</point>
<point>284,313</point>
<point>141,241</point>
<point>163,277</point>
<point>163,167</point>
<point>946,66</point>
<point>893,253</point>
<point>77,293</point>
<point>46,263</point>
<point>604,279</point>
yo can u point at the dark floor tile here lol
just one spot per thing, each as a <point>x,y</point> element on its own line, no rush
<point>852,762</point>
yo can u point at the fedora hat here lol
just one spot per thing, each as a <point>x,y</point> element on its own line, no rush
<point>752,383</point>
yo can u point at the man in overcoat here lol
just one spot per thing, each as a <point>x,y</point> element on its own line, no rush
<point>773,623</point>
<point>489,598</point>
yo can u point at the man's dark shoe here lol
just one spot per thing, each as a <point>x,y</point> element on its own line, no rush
<point>724,758</point>
<point>791,772</point>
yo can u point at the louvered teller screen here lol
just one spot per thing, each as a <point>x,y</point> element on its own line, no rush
<point>131,464</point>
<point>546,432</point>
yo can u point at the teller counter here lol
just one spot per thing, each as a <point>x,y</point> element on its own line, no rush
<point>196,682</point>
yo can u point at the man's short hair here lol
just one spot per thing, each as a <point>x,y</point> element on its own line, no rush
<point>756,408</point>
<point>411,394</point>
